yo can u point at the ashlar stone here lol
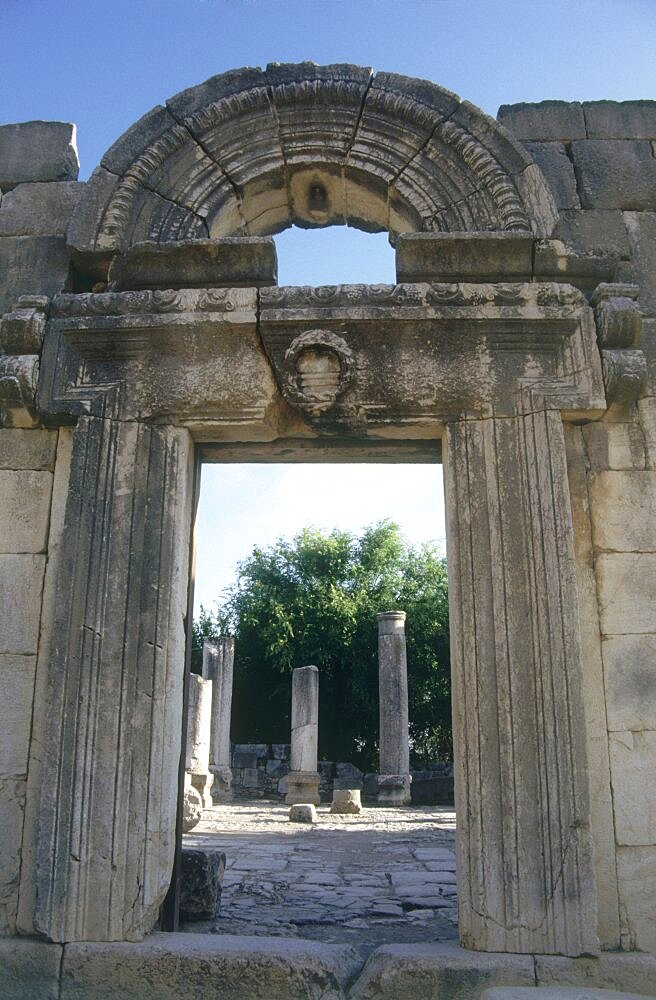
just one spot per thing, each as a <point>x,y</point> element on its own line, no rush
<point>37,151</point>
<point>615,173</point>
<point>42,209</point>
<point>17,686</point>
<point>630,681</point>
<point>632,756</point>
<point>26,510</point>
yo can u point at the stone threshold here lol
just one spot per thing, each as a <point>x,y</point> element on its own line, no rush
<point>169,966</point>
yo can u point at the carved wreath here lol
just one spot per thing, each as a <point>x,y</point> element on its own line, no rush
<point>317,369</point>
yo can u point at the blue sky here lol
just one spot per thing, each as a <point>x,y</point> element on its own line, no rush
<point>103,63</point>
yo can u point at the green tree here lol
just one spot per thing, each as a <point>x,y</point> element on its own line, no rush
<point>315,600</point>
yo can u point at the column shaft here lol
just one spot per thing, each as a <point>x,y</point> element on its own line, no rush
<point>394,767</point>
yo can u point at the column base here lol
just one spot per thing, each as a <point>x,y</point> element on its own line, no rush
<point>394,789</point>
<point>202,782</point>
<point>222,785</point>
<point>303,787</point>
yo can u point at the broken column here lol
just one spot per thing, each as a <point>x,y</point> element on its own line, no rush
<point>303,778</point>
<point>394,777</point>
<point>218,661</point>
<point>199,715</point>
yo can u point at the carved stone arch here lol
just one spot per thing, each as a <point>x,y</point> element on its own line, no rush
<point>251,152</point>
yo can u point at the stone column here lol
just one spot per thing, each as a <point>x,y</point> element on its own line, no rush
<point>394,768</point>
<point>199,725</point>
<point>303,778</point>
<point>525,867</point>
<point>109,786</point>
<point>218,662</point>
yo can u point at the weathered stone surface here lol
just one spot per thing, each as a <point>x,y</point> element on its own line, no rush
<point>553,161</point>
<point>623,508</point>
<point>21,582</point>
<point>17,686</point>
<point>192,808</point>
<point>302,812</point>
<point>199,724</point>
<point>594,231</point>
<point>636,869</point>
<point>27,449</point>
<point>394,751</point>
<point>218,666</point>
<point>457,257</point>
<point>615,446</point>
<point>29,969</point>
<point>39,209</point>
<point>557,993</point>
<point>26,510</point>
<point>31,265</point>
<point>12,809</point>
<point>244,758</point>
<point>218,967</point>
<point>615,173</point>
<point>545,121</point>
<point>495,588</point>
<point>632,973</point>
<point>439,970</point>
<point>620,119</point>
<point>346,800</point>
<point>37,151</point>
<point>641,228</point>
<point>632,756</point>
<point>302,787</point>
<point>221,263</point>
<point>626,582</point>
<point>201,883</point>
<point>630,680</point>
<point>428,788</point>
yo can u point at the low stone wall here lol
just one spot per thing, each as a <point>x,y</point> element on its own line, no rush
<point>259,771</point>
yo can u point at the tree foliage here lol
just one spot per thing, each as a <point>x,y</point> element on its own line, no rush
<point>315,600</point>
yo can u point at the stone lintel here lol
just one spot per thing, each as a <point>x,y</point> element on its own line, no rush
<point>219,263</point>
<point>464,257</point>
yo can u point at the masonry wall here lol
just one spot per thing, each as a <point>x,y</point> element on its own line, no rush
<point>599,159</point>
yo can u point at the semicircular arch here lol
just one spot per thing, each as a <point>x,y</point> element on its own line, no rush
<point>251,152</point>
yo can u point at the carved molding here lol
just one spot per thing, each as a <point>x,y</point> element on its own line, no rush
<point>625,375</point>
<point>317,368</point>
<point>21,337</point>
<point>617,314</point>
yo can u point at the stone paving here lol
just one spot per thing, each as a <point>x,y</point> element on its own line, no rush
<point>387,875</point>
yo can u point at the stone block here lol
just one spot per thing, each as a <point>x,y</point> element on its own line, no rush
<point>281,751</point>
<point>25,502</point>
<point>346,772</point>
<point>641,229</point>
<point>12,810</point>
<point>632,973</point>
<point>242,758</point>
<point>232,263</point>
<point>370,788</point>
<point>25,449</point>
<point>169,966</point>
<point>37,151</point>
<point>302,787</point>
<point>254,777</point>
<point>632,766</point>
<point>21,583</point>
<point>636,870</point>
<point>192,808</point>
<point>546,121</point>
<point>276,768</point>
<point>614,446</point>
<point>429,788</point>
<point>29,969</point>
<point>615,173</point>
<point>201,883</point>
<point>555,164</point>
<point>630,681</point>
<point>620,119</point>
<point>302,813</point>
<point>17,686</point>
<point>452,257</point>
<point>626,584</point>
<point>594,231</point>
<point>31,265</point>
<point>346,801</point>
<point>39,209</point>
<point>438,970</point>
<point>556,993</point>
<point>623,509</point>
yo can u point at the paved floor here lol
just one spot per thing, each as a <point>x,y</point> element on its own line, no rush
<point>386,875</point>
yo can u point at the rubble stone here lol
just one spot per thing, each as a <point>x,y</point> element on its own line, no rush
<point>201,883</point>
